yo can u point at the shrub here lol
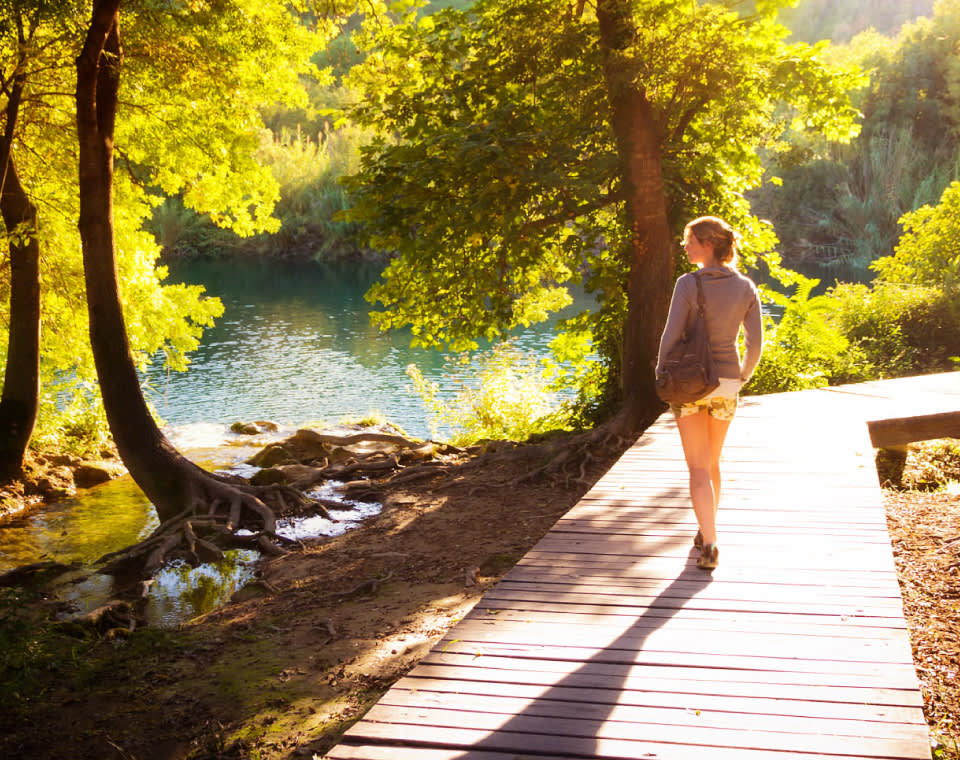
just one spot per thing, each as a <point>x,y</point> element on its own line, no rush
<point>805,349</point>
<point>501,394</point>
<point>929,252</point>
<point>899,329</point>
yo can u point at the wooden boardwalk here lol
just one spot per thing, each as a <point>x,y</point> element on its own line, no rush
<point>606,641</point>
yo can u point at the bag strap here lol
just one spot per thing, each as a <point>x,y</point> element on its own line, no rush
<point>701,305</point>
<point>701,301</point>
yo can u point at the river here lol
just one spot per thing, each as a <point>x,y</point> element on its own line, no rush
<point>294,346</point>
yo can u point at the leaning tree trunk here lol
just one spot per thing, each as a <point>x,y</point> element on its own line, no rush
<point>187,498</point>
<point>648,255</point>
<point>21,385</point>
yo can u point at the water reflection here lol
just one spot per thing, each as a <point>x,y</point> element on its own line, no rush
<point>82,529</point>
<point>117,514</point>
<point>180,592</point>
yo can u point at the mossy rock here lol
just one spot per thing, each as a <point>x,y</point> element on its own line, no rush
<point>268,477</point>
<point>271,456</point>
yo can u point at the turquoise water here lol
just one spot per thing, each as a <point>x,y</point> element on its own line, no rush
<point>295,344</point>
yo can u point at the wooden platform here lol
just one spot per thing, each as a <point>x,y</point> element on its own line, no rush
<point>606,641</point>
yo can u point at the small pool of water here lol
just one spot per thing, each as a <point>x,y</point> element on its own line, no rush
<point>116,514</point>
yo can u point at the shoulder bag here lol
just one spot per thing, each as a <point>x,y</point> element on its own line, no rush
<point>689,372</point>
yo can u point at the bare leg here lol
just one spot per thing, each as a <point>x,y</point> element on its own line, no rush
<point>702,437</point>
<point>717,432</point>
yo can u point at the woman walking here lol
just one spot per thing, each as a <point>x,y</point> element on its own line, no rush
<point>732,301</point>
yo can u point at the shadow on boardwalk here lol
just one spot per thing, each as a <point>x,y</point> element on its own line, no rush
<point>569,717</point>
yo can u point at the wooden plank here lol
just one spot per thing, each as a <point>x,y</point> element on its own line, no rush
<point>615,739</point>
<point>421,747</point>
<point>900,431</point>
<point>605,641</point>
<point>694,620</point>
<point>899,675</point>
<point>670,639</point>
<point>587,603</point>
<point>609,583</point>
<point>775,600</point>
<point>577,613</point>
<point>667,567</point>
<point>690,692</point>
<point>762,716</point>
<point>675,678</point>
<point>392,752</point>
<point>693,700</point>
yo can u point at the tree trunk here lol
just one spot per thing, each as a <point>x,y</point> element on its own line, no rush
<point>152,461</point>
<point>648,255</point>
<point>196,508</point>
<point>142,446</point>
<point>21,386</point>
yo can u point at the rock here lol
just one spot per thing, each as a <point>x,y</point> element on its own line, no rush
<point>56,482</point>
<point>89,474</point>
<point>423,453</point>
<point>272,455</point>
<point>300,476</point>
<point>268,477</point>
<point>254,428</point>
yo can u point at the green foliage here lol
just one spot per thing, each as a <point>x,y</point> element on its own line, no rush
<point>929,251</point>
<point>932,465</point>
<point>71,420</point>
<point>307,169</point>
<point>805,349</point>
<point>502,395</point>
<point>495,177</point>
<point>899,329</point>
<point>840,207</point>
<point>908,322</point>
<point>193,78</point>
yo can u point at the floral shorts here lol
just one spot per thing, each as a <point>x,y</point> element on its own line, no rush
<point>721,407</point>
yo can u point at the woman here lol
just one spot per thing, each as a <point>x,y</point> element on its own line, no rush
<point>732,301</point>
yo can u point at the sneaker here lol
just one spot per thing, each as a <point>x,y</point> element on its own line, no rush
<point>698,540</point>
<point>709,557</point>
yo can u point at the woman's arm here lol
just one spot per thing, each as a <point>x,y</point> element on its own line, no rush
<point>752,337</point>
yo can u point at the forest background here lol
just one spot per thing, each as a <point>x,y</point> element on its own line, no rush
<point>867,224</point>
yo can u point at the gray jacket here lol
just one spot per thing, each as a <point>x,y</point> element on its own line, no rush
<point>731,301</point>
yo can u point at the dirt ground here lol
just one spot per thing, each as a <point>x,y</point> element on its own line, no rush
<point>925,532</point>
<point>303,651</point>
<point>284,669</point>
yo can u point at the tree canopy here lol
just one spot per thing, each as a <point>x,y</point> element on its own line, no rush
<point>848,201</point>
<point>195,76</point>
<point>499,173</point>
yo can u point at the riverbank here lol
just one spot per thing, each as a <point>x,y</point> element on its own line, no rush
<point>49,477</point>
<point>298,655</point>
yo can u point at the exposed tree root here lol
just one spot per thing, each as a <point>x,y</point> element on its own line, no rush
<point>369,586</point>
<point>217,508</point>
<point>113,619</point>
<point>565,461</point>
<point>224,512</point>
